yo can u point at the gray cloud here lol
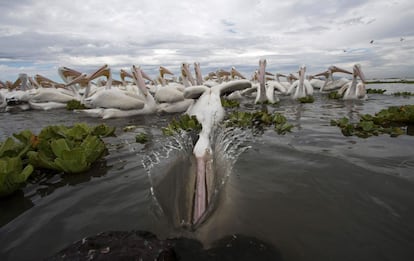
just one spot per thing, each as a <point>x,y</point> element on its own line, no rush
<point>38,36</point>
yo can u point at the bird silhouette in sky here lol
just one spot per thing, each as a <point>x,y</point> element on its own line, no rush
<point>372,41</point>
<point>401,39</point>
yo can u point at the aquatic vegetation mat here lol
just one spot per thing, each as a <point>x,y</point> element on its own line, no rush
<point>375,91</point>
<point>387,121</point>
<point>58,148</point>
<point>404,94</point>
<point>258,120</point>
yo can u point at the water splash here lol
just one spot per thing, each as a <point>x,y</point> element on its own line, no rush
<point>170,169</point>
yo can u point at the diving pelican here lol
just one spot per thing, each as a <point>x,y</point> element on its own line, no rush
<point>209,112</point>
<point>354,90</point>
<point>302,87</point>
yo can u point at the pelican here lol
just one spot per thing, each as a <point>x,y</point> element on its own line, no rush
<point>330,83</point>
<point>199,76</point>
<point>236,74</point>
<point>108,97</point>
<point>68,74</point>
<point>209,112</point>
<point>355,90</point>
<point>302,87</point>
<point>316,82</point>
<point>17,96</point>
<point>187,78</point>
<point>264,94</point>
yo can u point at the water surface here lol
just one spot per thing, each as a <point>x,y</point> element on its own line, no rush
<point>312,193</point>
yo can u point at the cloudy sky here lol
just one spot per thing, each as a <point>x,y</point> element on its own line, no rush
<point>38,36</point>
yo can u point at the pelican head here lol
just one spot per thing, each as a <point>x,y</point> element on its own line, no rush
<point>358,72</point>
<point>164,71</point>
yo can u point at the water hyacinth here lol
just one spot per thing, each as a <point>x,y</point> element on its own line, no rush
<point>183,123</point>
<point>58,148</point>
<point>306,99</point>
<point>258,120</point>
<point>226,103</point>
<point>142,137</point>
<point>375,91</point>
<point>74,105</point>
<point>387,121</point>
<point>404,94</point>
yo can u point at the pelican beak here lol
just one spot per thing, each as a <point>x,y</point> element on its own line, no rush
<point>81,79</point>
<point>125,74</point>
<point>146,76</point>
<point>103,71</point>
<point>359,72</point>
<point>203,181</point>
<point>235,73</point>
<point>337,69</point>
<point>325,74</point>
<point>262,71</point>
<point>164,70</point>
<point>139,79</point>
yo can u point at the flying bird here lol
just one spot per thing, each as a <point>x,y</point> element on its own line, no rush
<point>372,41</point>
<point>401,39</point>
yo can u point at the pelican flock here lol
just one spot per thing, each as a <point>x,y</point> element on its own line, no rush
<point>136,93</point>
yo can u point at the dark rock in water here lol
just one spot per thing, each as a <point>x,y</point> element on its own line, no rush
<point>140,245</point>
<point>118,245</point>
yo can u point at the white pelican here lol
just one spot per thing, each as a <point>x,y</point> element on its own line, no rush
<point>199,76</point>
<point>17,96</point>
<point>354,90</point>
<point>302,87</point>
<point>209,112</point>
<point>68,74</point>
<point>264,94</point>
<point>330,83</point>
<point>235,74</point>
<point>316,82</point>
<point>187,77</point>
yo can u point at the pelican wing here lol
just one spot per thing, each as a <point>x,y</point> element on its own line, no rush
<point>232,86</point>
<point>194,92</point>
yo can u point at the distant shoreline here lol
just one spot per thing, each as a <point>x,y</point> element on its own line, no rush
<point>389,81</point>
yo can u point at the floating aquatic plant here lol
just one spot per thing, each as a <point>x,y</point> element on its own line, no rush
<point>306,99</point>
<point>71,150</point>
<point>142,137</point>
<point>258,120</point>
<point>386,121</point>
<point>75,105</point>
<point>13,171</point>
<point>334,95</point>
<point>183,123</point>
<point>375,91</point>
<point>59,148</point>
<point>404,94</point>
<point>226,103</point>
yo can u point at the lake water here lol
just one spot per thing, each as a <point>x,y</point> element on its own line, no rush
<point>313,194</point>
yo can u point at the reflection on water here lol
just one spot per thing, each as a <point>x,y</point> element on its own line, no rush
<point>313,194</point>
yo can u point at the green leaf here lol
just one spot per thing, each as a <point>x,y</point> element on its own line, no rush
<point>73,161</point>
<point>59,146</point>
<point>12,174</point>
<point>93,148</point>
